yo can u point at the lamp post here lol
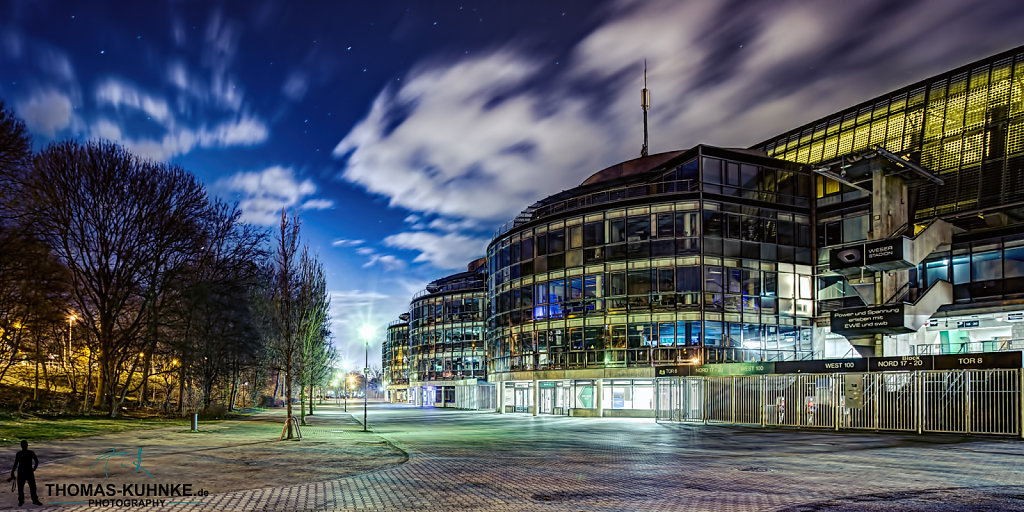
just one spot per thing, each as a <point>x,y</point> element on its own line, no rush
<point>71,321</point>
<point>366,333</point>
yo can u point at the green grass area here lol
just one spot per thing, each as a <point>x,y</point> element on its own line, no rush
<point>13,429</point>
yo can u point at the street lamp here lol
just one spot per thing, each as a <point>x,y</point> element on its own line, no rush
<point>366,333</point>
<point>71,321</point>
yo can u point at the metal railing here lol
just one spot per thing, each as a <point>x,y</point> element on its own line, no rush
<point>583,200</point>
<point>968,347</point>
<point>946,401</point>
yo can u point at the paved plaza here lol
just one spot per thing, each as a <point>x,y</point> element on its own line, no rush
<point>476,461</point>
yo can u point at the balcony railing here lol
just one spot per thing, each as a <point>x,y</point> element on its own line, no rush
<point>603,196</point>
<point>970,347</point>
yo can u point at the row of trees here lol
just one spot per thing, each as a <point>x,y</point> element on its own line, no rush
<point>124,280</point>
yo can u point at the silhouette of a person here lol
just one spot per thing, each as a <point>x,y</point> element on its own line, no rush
<point>26,462</point>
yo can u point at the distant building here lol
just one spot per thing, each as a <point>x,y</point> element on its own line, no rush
<point>395,357</point>
<point>446,336</point>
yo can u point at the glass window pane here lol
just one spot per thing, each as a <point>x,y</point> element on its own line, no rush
<point>986,266</point>
<point>638,228</point>
<point>855,229</point>
<point>593,234</point>
<point>961,270</point>
<point>1013,265</point>
<point>713,279</point>
<point>556,241</point>
<point>616,230</point>
<point>713,334</point>
<point>665,228</point>
<point>712,170</point>
<point>639,282</point>
<point>667,334</point>
<point>687,279</point>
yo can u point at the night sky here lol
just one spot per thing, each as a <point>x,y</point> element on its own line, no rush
<point>404,133</point>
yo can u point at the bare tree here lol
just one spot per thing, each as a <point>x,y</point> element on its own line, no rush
<point>312,307</point>
<point>15,157</point>
<point>110,217</point>
<point>286,345</point>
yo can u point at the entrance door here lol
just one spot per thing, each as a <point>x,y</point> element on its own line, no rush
<point>547,400</point>
<point>523,393</point>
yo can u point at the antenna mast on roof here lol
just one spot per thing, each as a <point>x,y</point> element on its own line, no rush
<point>645,103</point>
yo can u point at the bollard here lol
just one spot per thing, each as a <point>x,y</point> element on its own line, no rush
<point>195,422</point>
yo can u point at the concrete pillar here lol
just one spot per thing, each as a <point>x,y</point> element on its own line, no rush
<point>889,211</point>
<point>598,395</point>
<point>536,396</point>
<point>500,391</point>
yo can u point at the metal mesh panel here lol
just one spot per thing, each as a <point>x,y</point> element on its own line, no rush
<point>747,400</point>
<point>819,400</point>
<point>865,416</point>
<point>782,400</point>
<point>956,401</point>
<point>718,399</point>
<point>943,396</point>
<point>895,401</point>
<point>666,405</point>
<point>691,399</point>
<point>994,401</point>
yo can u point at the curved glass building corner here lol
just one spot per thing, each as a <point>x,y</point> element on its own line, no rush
<point>688,257</point>
<point>395,353</point>
<point>446,336</point>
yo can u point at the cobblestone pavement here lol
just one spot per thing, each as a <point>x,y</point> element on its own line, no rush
<point>475,461</point>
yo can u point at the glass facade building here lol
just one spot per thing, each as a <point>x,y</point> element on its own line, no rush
<point>394,355</point>
<point>446,336</point>
<point>705,256</point>
<point>714,255</point>
<point>966,126</point>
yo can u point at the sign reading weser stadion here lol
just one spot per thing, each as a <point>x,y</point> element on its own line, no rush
<point>887,254</point>
<point>885,319</point>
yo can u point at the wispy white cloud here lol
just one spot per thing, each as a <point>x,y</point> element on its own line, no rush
<point>386,261</point>
<point>365,251</point>
<point>244,131</point>
<point>317,204</point>
<point>119,93</point>
<point>295,86</point>
<point>481,137</point>
<point>46,111</point>
<point>447,251</point>
<point>469,146</point>
<point>343,242</point>
<point>265,193</point>
<point>450,225</point>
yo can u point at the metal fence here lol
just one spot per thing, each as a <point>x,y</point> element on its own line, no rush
<point>480,397</point>
<point>954,401</point>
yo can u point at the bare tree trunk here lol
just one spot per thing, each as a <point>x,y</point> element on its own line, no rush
<point>181,391</point>
<point>288,393</point>
<point>234,389</point>
<point>145,374</point>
